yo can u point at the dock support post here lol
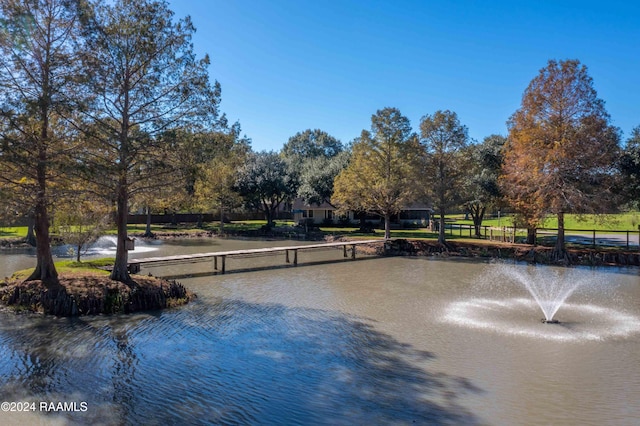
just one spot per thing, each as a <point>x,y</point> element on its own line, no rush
<point>353,252</point>
<point>287,256</point>
<point>224,258</point>
<point>344,250</point>
<point>215,263</point>
<point>295,257</point>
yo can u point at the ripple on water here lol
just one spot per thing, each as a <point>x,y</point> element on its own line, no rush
<point>227,361</point>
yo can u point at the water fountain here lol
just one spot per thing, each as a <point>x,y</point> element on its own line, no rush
<point>499,304</point>
<point>549,287</point>
<point>105,245</point>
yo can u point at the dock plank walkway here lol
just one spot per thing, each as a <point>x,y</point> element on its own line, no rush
<point>134,265</point>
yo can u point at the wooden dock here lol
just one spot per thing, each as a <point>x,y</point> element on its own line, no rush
<point>219,257</point>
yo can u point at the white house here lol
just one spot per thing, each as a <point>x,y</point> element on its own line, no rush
<point>414,214</point>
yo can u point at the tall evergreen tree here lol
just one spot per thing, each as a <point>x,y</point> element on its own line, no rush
<point>147,81</point>
<point>38,76</point>
<point>444,139</point>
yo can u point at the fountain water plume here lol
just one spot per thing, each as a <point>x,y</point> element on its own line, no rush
<point>502,299</point>
<point>549,287</point>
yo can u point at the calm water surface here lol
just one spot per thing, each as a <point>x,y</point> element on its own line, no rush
<point>375,341</point>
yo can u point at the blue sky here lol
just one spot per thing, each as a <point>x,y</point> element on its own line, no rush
<point>286,66</point>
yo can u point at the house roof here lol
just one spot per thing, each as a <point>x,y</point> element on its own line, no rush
<point>299,204</point>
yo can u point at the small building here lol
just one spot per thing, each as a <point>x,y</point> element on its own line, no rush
<point>414,215</point>
<point>314,213</point>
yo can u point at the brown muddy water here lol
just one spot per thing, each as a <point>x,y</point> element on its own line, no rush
<point>372,341</point>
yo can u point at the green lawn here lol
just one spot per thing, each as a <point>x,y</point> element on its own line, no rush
<point>13,231</point>
<point>63,266</point>
<point>615,222</point>
<point>612,222</point>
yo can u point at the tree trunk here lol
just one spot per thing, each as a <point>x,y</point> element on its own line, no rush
<point>45,268</point>
<point>531,236</point>
<point>31,236</point>
<point>120,271</point>
<point>387,226</point>
<point>477,215</point>
<point>78,252</point>
<point>221,220</point>
<point>268,213</point>
<point>147,229</point>
<point>560,252</point>
<point>362,219</point>
<point>441,236</point>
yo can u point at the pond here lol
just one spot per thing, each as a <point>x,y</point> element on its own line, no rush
<point>372,341</point>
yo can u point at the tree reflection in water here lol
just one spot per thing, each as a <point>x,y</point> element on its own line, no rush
<point>229,362</point>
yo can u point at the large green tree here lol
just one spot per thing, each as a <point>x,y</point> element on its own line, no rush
<point>265,181</point>
<point>317,177</point>
<point>630,169</point>
<point>146,80</point>
<point>39,72</point>
<point>311,144</point>
<point>319,157</point>
<point>481,188</point>
<point>215,184</point>
<point>381,174</point>
<point>562,150</point>
<point>444,140</point>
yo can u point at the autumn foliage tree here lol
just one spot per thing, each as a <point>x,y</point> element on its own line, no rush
<point>561,149</point>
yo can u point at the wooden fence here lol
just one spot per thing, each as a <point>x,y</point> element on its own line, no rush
<point>592,237</point>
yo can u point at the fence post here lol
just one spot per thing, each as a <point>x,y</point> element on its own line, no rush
<point>627,240</point>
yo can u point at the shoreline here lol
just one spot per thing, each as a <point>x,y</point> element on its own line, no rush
<point>457,249</point>
<point>518,252</point>
<point>413,247</point>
